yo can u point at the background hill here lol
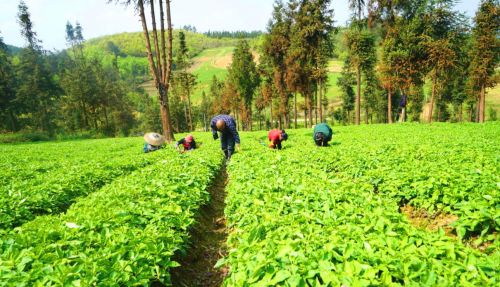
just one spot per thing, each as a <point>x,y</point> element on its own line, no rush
<point>210,56</point>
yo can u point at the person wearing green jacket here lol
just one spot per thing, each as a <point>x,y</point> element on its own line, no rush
<point>322,134</point>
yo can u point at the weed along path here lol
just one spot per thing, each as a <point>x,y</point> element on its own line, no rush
<point>207,243</point>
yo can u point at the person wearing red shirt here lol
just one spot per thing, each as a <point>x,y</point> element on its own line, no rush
<point>187,143</point>
<point>276,136</point>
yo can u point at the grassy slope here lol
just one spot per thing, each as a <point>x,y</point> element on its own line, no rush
<point>206,65</point>
<point>212,56</point>
<point>212,62</point>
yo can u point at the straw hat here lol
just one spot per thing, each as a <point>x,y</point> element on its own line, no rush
<point>154,139</point>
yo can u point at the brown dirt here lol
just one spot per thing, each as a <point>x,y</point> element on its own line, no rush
<point>207,244</point>
<point>422,219</point>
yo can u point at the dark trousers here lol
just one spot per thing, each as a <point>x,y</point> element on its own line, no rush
<point>276,144</point>
<point>227,143</point>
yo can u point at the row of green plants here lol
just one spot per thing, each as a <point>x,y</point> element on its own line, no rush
<point>442,169</point>
<point>46,178</point>
<point>122,235</point>
<point>308,216</point>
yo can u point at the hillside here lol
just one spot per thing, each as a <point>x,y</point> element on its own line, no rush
<point>210,57</point>
<point>13,49</point>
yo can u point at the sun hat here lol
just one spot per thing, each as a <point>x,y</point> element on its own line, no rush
<point>189,138</point>
<point>154,139</point>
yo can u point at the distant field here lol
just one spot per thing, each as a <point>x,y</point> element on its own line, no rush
<point>214,62</point>
<point>209,63</point>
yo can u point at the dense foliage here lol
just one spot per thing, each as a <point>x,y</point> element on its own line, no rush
<point>123,234</point>
<point>47,178</point>
<point>331,216</point>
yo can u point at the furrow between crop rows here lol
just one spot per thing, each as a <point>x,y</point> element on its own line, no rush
<point>309,216</point>
<point>122,235</point>
<point>207,242</point>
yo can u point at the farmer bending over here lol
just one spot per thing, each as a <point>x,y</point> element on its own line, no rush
<point>154,141</point>
<point>229,136</point>
<point>322,134</point>
<point>187,143</point>
<point>276,136</point>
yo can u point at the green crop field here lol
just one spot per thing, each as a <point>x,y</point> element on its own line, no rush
<point>383,205</point>
<point>334,216</point>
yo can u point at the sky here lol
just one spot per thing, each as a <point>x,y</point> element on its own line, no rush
<point>99,18</point>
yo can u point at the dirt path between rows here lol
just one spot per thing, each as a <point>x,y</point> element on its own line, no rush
<point>207,243</point>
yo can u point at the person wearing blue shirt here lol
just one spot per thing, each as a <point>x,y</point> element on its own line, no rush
<point>229,137</point>
<point>322,134</point>
<point>153,141</point>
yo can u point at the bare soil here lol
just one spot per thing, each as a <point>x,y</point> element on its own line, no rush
<point>207,244</point>
<point>422,219</point>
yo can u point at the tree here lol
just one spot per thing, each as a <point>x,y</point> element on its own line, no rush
<point>309,48</point>
<point>37,90</point>
<point>274,51</point>
<point>441,40</point>
<point>7,90</point>
<point>361,47</point>
<point>160,63</point>
<point>345,83</point>
<point>220,105</point>
<point>401,66</point>
<point>242,74</point>
<point>205,110</point>
<point>357,7</point>
<point>185,80</point>
<point>485,51</point>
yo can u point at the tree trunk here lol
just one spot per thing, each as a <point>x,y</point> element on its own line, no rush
<point>358,96</point>
<point>155,35</point>
<point>163,44</point>
<point>433,94</point>
<point>205,128</point>
<point>237,120</point>
<point>478,108</point>
<point>13,121</point>
<point>295,110</point>
<point>366,113</point>
<point>305,117</point>
<point>85,115</point>
<point>260,122</point>
<point>190,111</point>
<point>168,71</point>
<point>389,106</point>
<point>460,113</point>
<point>271,115</point>
<point>320,102</point>
<point>165,115</point>
<point>106,117</point>
<point>471,110</point>
<point>316,106</point>
<point>162,84</point>
<point>309,108</point>
<point>250,119</point>
<point>482,97</point>
<point>186,115</point>
<point>152,66</point>
<point>439,111</point>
